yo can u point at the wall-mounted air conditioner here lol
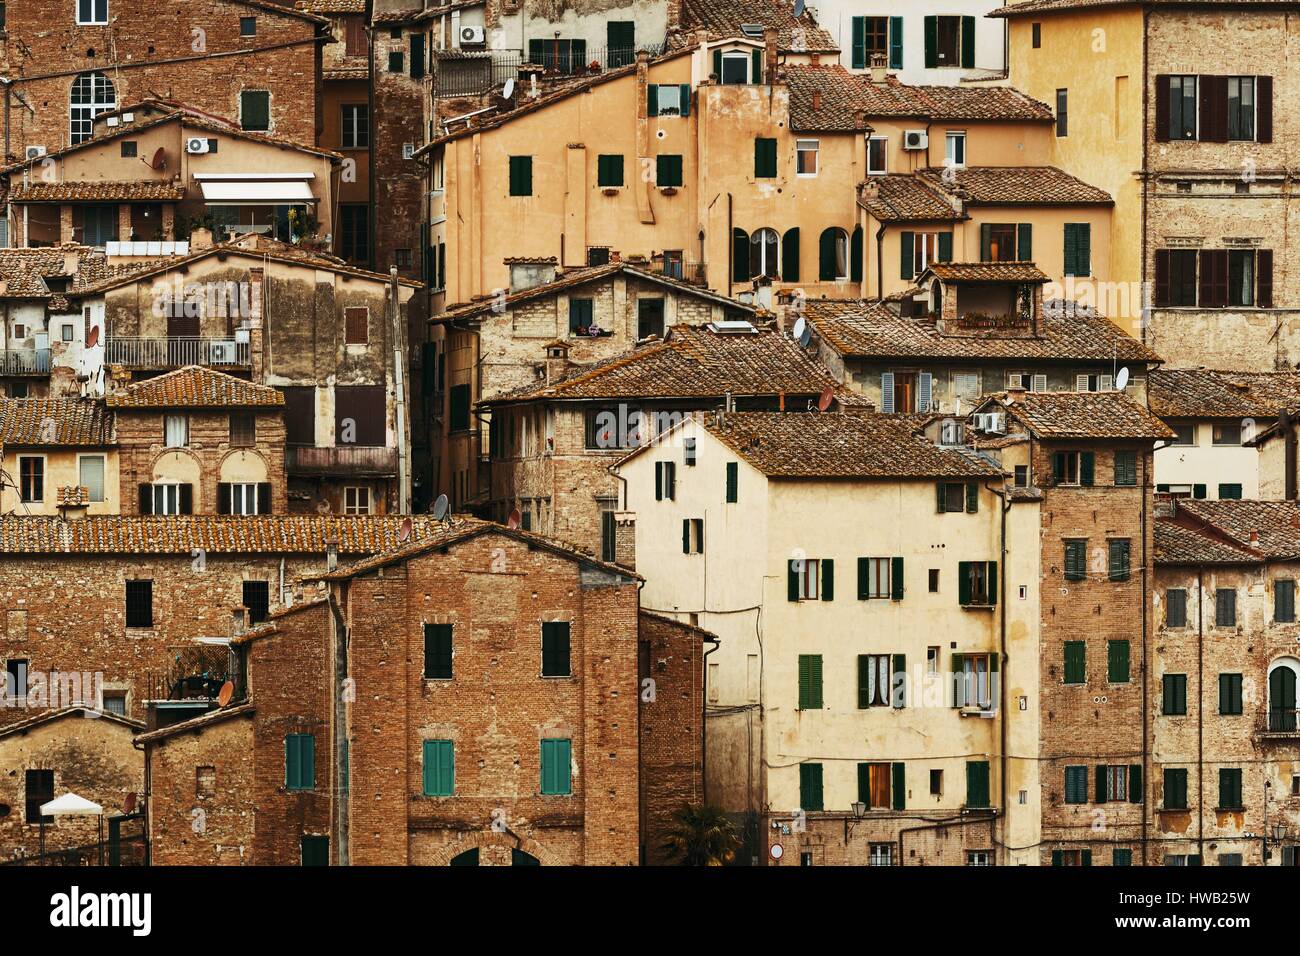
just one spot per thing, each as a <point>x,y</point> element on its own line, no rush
<point>472,36</point>
<point>197,145</point>
<point>221,353</point>
<point>916,139</point>
<point>34,151</point>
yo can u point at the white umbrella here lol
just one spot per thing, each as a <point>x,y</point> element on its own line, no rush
<point>71,805</point>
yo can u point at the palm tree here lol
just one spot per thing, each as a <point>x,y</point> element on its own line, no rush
<point>701,836</point>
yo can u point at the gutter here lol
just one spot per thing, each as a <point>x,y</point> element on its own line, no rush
<point>1002,670</point>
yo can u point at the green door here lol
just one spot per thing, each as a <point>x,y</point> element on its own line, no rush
<point>520,858</point>
<point>620,42</point>
<point>468,858</point>
<point>315,851</point>
<point>1281,699</point>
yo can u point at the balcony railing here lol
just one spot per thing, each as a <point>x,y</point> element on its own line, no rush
<point>24,361</point>
<point>469,72</point>
<point>681,269</point>
<point>174,352</point>
<point>341,460</point>
<point>1280,723</point>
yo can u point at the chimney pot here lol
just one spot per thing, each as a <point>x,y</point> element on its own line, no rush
<point>879,66</point>
<point>817,100</point>
<point>331,555</point>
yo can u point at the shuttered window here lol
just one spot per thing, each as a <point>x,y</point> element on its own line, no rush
<point>1175,789</point>
<point>1174,697</point>
<point>977,783</point>
<point>1117,662</point>
<point>764,158</point>
<point>438,651</point>
<point>1230,789</point>
<point>1076,662</point>
<point>300,762</point>
<point>1175,607</point>
<point>1225,607</point>
<point>665,480</point>
<point>356,322</point>
<point>1230,694</point>
<point>810,787</point>
<point>439,768</point>
<point>557,767</point>
<point>1076,560</point>
<point>1126,468</point>
<point>1076,784</point>
<point>555,649</point>
<point>299,414</point>
<point>1118,559</point>
<point>359,415</point>
<point>609,170</point>
<point>255,110</point>
<point>810,682</point>
<point>580,315</point>
<point>459,400</point>
<point>139,604</point>
<point>1283,601</point>
<point>1078,249</point>
<point>733,482</point>
<point>521,175</point>
<point>668,170</point>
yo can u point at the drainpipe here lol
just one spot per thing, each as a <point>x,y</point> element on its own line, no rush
<point>704,706</point>
<point>1200,711</point>
<point>340,715</point>
<point>1002,669</point>
<point>399,398</point>
<point>880,262</point>
<point>1289,453</point>
<point>1142,255</point>
<point>1146,660</point>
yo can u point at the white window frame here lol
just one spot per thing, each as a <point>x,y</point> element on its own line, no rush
<point>1037,381</point>
<point>842,253</point>
<point>92,22</point>
<point>356,506</point>
<point>746,58</point>
<point>773,269</point>
<point>349,127</point>
<point>925,251</point>
<point>810,579</point>
<point>878,578</point>
<point>881,854</point>
<point>1088,382</point>
<point>243,498</point>
<point>103,479</point>
<point>177,420</point>
<point>884,155</point>
<point>695,535</point>
<point>81,115</point>
<point>44,478</point>
<point>161,492</point>
<point>807,147</point>
<point>950,139</point>
<point>663,109</point>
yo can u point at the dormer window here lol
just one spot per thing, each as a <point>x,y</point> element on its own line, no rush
<point>735,66</point>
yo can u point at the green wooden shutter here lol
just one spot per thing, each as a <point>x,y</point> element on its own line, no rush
<point>1083,249</point>
<point>439,768</point>
<point>739,255</point>
<point>764,157</point>
<point>906,254</point>
<point>991,576</point>
<point>1086,857</point>
<point>1058,858</point>
<point>686,536</point>
<point>859,43</point>
<point>521,175</point>
<point>1087,467</point>
<point>945,247</point>
<point>931,42</point>
<point>972,497</point>
<point>756,74</point>
<point>790,255</point>
<point>1071,252</point>
<point>896,579</point>
<point>255,110</point>
<point>810,786</point>
<point>733,482</point>
<point>864,682</point>
<point>536,52</point>
<point>557,758</point>
<point>986,242</point>
<point>968,43</point>
<point>1025,241</point>
<point>810,682</point>
<point>864,783</point>
<point>958,680</point>
<point>855,255</point>
<point>1100,795</point>
<point>684,98</point>
<point>941,496</point>
<point>1135,783</point>
<point>828,579</point>
<point>717,64</point>
<point>899,786</point>
<point>1117,664</point>
<point>895,43</point>
<point>1198,491</point>
<point>792,579</point>
<point>652,99</point>
<point>963,582</point>
<point>898,682</point>
<point>827,270</point>
<point>864,589</point>
<point>977,783</point>
<point>659,481</point>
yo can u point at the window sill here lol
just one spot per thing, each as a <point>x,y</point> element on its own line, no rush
<point>555,676</point>
<point>668,190</point>
<point>611,190</point>
<point>978,607</point>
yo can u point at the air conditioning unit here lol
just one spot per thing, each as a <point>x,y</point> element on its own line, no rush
<point>472,36</point>
<point>197,145</point>
<point>916,139</point>
<point>221,353</point>
<point>991,422</point>
<point>34,151</point>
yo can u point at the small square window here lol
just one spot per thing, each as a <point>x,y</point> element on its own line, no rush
<point>248,26</point>
<point>114,702</point>
<point>129,149</point>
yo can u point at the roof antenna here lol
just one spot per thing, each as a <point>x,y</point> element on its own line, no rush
<point>442,511</point>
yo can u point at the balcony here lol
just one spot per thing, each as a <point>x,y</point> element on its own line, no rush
<point>346,461</point>
<point>174,352</point>
<point>1279,724</point>
<point>24,361</point>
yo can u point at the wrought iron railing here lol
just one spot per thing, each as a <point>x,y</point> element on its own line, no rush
<point>24,361</point>
<point>1281,721</point>
<point>463,73</point>
<point>174,351</point>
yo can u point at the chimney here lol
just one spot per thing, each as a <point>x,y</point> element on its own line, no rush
<point>253,322</point>
<point>1254,539</point>
<point>200,239</point>
<point>1016,393</point>
<point>769,55</point>
<point>879,65</point>
<point>557,361</point>
<point>331,555</point>
<point>73,502</point>
<point>817,100</point>
<point>238,621</point>
<point>71,260</point>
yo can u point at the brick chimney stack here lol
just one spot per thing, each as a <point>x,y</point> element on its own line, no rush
<point>253,322</point>
<point>769,55</point>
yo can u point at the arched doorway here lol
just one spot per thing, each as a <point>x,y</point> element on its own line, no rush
<point>520,858</point>
<point>468,858</point>
<point>1282,697</point>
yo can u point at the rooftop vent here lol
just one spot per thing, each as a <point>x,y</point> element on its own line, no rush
<point>752,30</point>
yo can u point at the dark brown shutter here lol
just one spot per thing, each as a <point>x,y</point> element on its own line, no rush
<point>1162,109</point>
<point>356,323</point>
<point>1214,279</point>
<point>364,405</point>
<point>264,498</point>
<point>223,498</point>
<point>1213,108</point>
<point>187,499</point>
<point>146,499</point>
<point>1162,278</point>
<point>1264,276</point>
<point>1264,109</point>
<point>299,414</point>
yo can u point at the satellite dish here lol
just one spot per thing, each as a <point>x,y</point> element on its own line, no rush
<point>514,520</point>
<point>824,401</point>
<point>128,804</point>
<point>1121,380</point>
<point>404,531</point>
<point>509,89</point>
<point>159,160</point>
<point>223,696</point>
<point>92,337</point>
<point>802,334</point>
<point>440,507</point>
<point>798,8</point>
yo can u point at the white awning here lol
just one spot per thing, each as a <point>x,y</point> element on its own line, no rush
<point>71,805</point>
<point>264,188</point>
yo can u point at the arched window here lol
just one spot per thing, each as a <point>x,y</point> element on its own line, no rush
<point>739,255</point>
<point>763,254</point>
<point>1282,694</point>
<point>92,94</point>
<point>834,255</point>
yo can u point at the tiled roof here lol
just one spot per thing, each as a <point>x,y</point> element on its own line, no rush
<point>874,330</point>
<point>987,272</point>
<point>332,6</point>
<point>261,534</point>
<point>1270,527</point>
<point>1212,393</point>
<point>24,270</point>
<point>71,496</point>
<point>1177,543</point>
<point>54,421</point>
<point>1029,7</point>
<point>195,387</point>
<point>1016,185</point>
<point>824,99</point>
<point>694,363</point>
<point>77,710</point>
<point>902,197</point>
<point>196,724</point>
<point>723,19</point>
<point>580,276</point>
<point>103,190</point>
<point>1083,415</point>
<point>834,445</point>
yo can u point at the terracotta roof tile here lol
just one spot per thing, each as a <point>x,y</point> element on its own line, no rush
<point>70,496</point>
<point>1271,528</point>
<point>54,421</point>
<point>987,272</point>
<point>325,7</point>
<point>195,387</point>
<point>102,190</point>
<point>898,197</point>
<point>1015,185</point>
<point>825,99</point>
<point>24,271</point>
<point>1178,544</point>
<point>862,446</point>
<point>1083,415</point>
<point>262,534</point>
<point>1029,7</point>
<point>695,363</point>
<point>1211,393</point>
<point>723,19</point>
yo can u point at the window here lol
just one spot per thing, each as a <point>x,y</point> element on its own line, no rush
<point>243,429</point>
<point>16,678</point>
<point>958,496</point>
<point>1230,694</point>
<point>1126,468</point>
<point>1062,114</point>
<point>870,35</point>
<point>878,155</point>
<point>244,498</point>
<point>804,576</point>
<point>1175,789</point>
<point>1229,859</point>
<point>1117,662</point>
<point>1230,789</point>
<point>875,578</point>
<point>1227,433</point>
<point>176,431</point>
<point>248,26</point>
<point>733,482</point>
<point>881,854</point>
<point>665,480</point>
<point>998,242</point>
<point>936,783</point>
<point>977,783</point>
<point>873,785</point>
<point>977,583</point>
<point>1036,31</point>
<point>94,224</point>
<point>933,576</point>
<point>439,776</point>
<point>735,68</point>
<point>130,149</point>
<point>1022,476</point>
<point>1073,467</point>
<point>1182,107</point>
<point>763,254</point>
<point>1230,492</point>
<point>973,684</point>
<point>354,39</point>
<point>437,651</point>
<point>1241,278</point>
<point>300,761</point>
<point>805,157</point>
<point>31,479</point>
<point>1225,607</point>
<point>557,765</point>
<point>1076,784</point>
<point>1078,249</point>
<point>1283,601</point>
<point>139,604</point>
<point>39,791</point>
<point>609,170</point>
<point>764,158</point>
<point>1117,559</point>
<point>1121,856</point>
<point>356,500</point>
<point>114,702</point>
<point>355,132</point>
<point>598,255</point>
<point>954,149</point>
<point>692,536</point>
<point>396,61</point>
<point>810,682</point>
<point>946,44</point>
<point>668,99</point>
<point>92,94</point>
<point>810,786</point>
<point>255,110</point>
<point>1076,559</point>
<point>166,498</point>
<point>1113,783</point>
<point>555,649</point>
<point>874,681</point>
<point>356,326</point>
<point>668,170</point>
<point>1184,433</point>
<point>1076,662</point>
<point>354,232</point>
<point>649,318</point>
<point>608,531</point>
<point>580,316</point>
<point>521,175</point>
<point>92,12</point>
<point>1174,702</point>
<point>1175,283</point>
<point>257,598</point>
<point>1241,108</point>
